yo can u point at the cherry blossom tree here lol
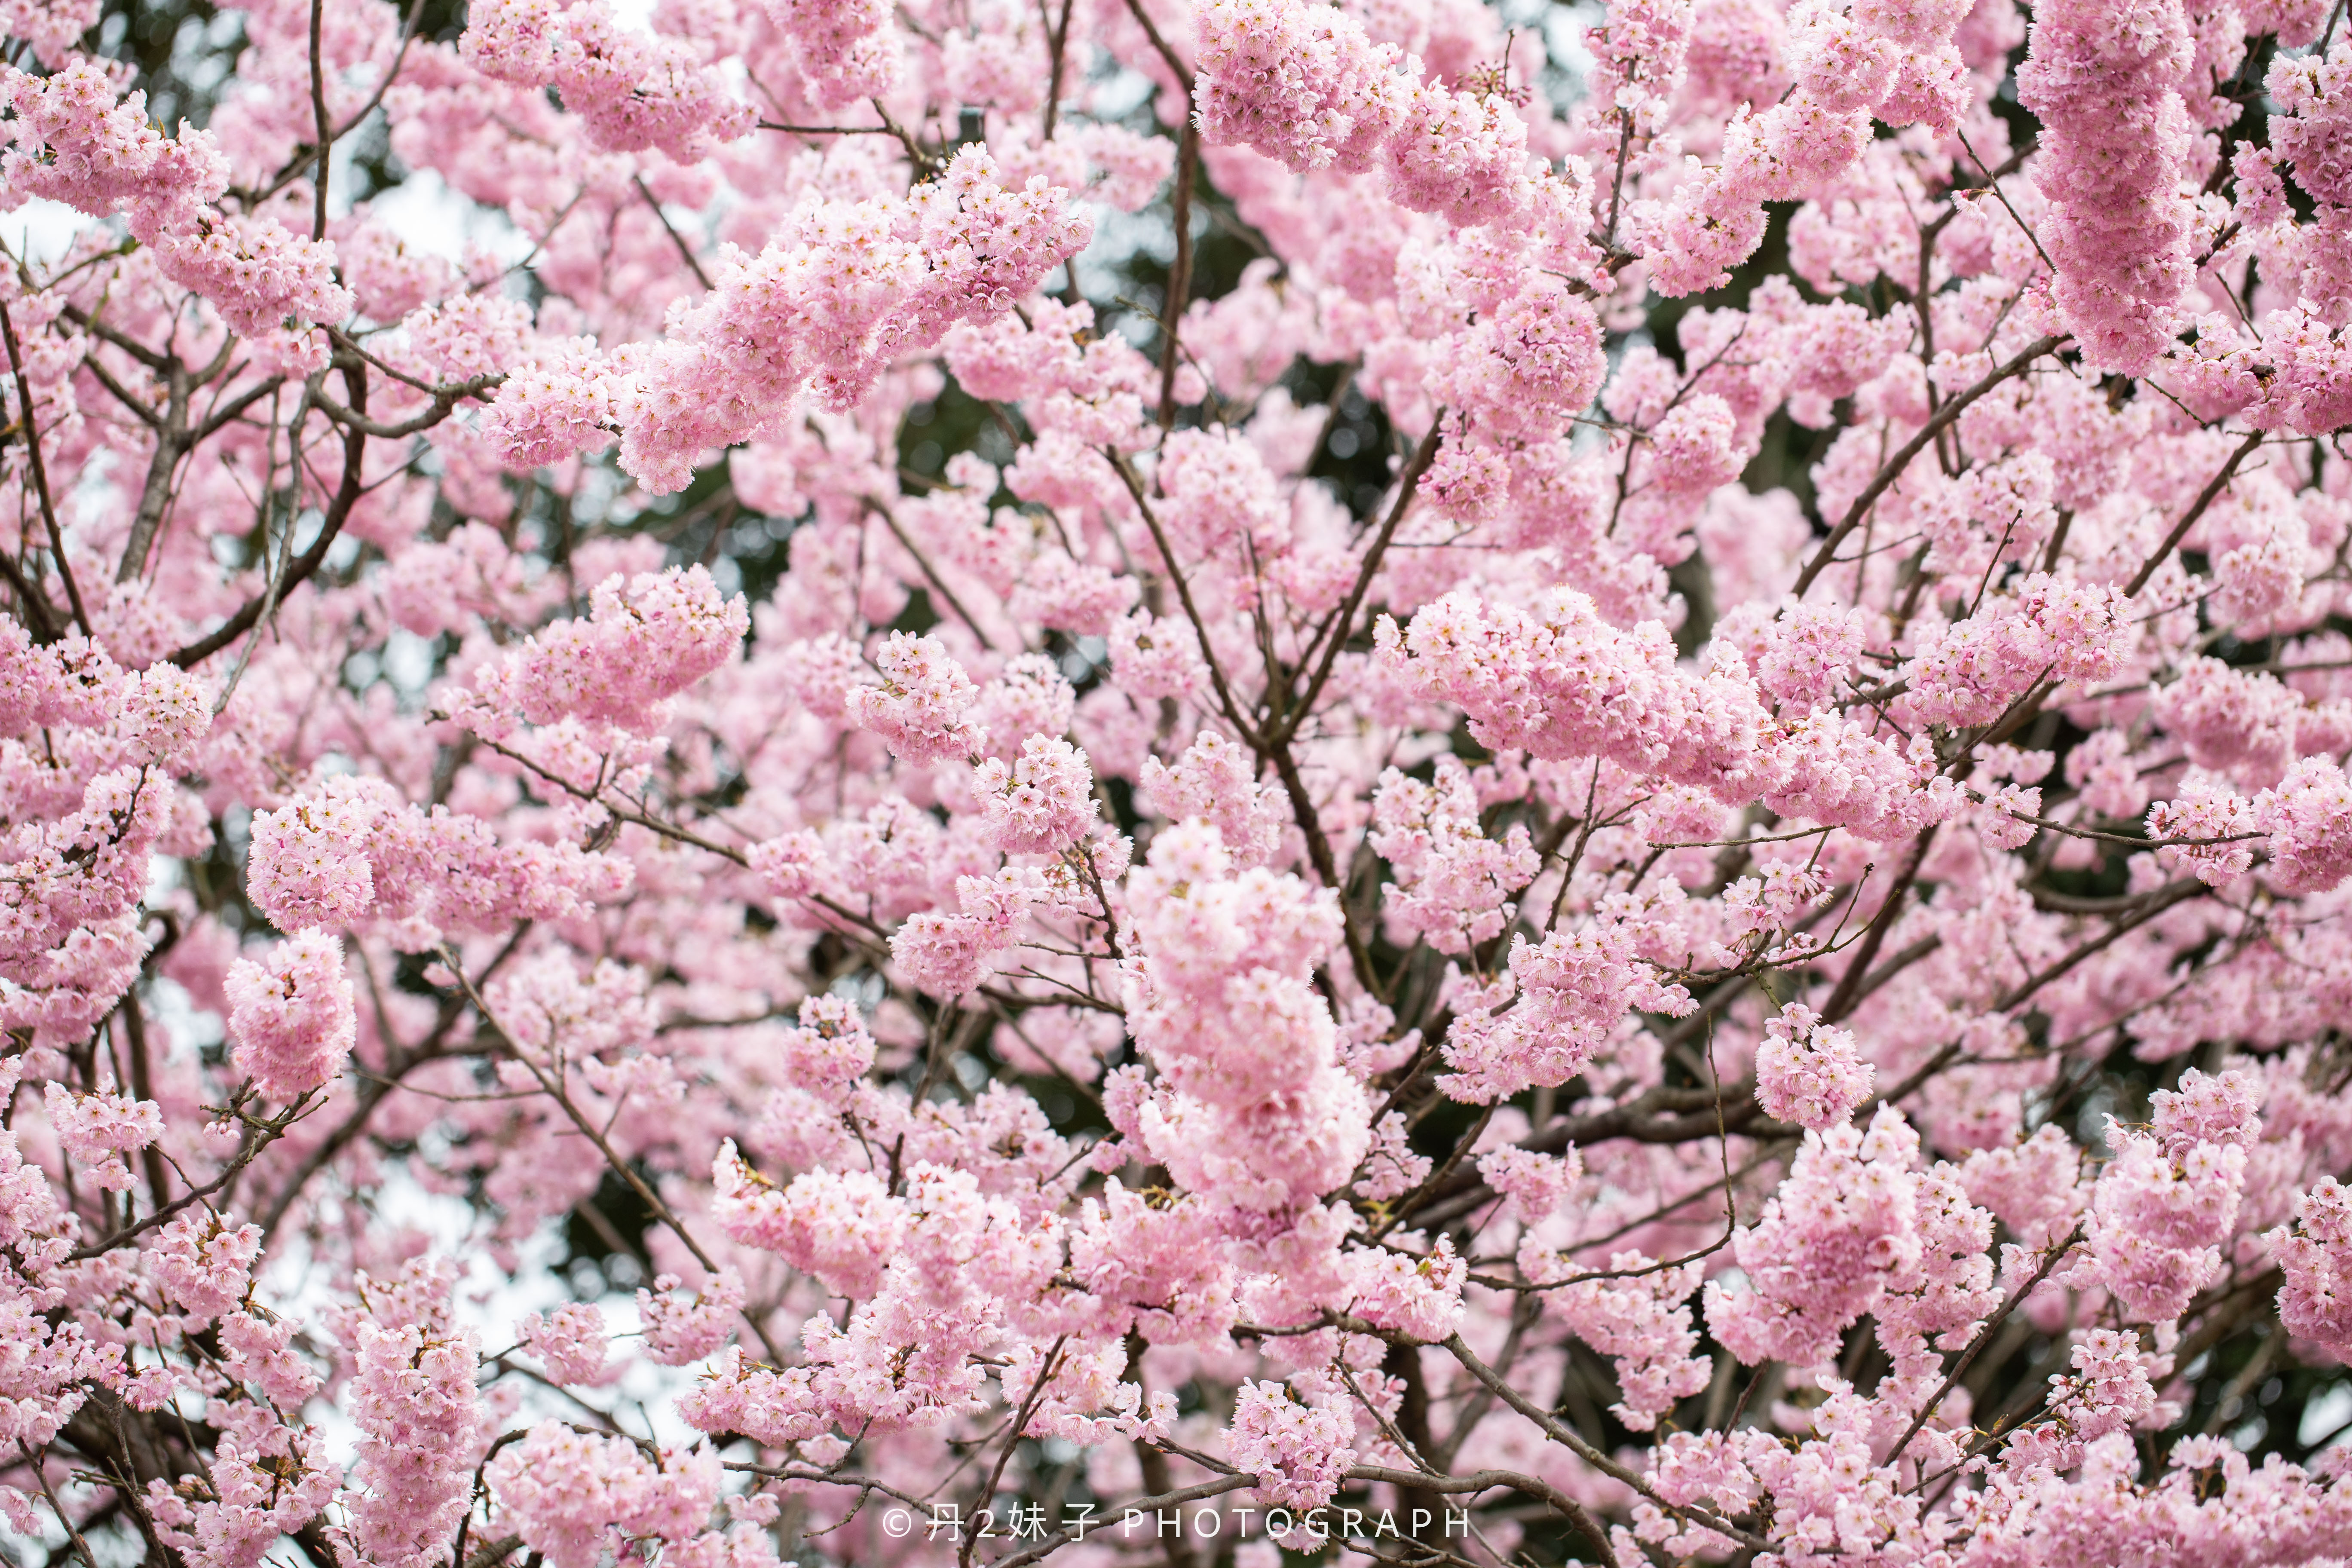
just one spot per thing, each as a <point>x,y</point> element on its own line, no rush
<point>852,782</point>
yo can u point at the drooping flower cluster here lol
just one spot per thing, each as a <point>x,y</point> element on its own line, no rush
<point>1808,1073</point>
<point>2316,1299</point>
<point>292,1017</point>
<point>630,91</point>
<point>2107,86</point>
<point>1298,1450</point>
<point>424,1427</point>
<point>1827,1247</point>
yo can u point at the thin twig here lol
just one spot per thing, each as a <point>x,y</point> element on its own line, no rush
<point>1983,1337</point>
<point>619,1167</point>
<point>1179,276</point>
<point>1891,470</point>
<point>32,434</point>
<point>685,251</point>
<point>348,491</point>
<point>1045,1370</point>
<point>2205,498</point>
<point>1569,1439</point>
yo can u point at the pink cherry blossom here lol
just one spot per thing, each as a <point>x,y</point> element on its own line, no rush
<point>570,1342</point>
<point>1205,759</point>
<point>1297,1449</point>
<point>1807,1072</point>
<point>292,1017</point>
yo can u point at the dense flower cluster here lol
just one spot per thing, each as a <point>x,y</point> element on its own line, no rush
<point>834,782</point>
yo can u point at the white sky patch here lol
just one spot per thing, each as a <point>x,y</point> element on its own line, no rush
<point>41,230</point>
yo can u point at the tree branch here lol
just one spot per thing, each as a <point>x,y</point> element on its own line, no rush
<point>1891,470</point>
